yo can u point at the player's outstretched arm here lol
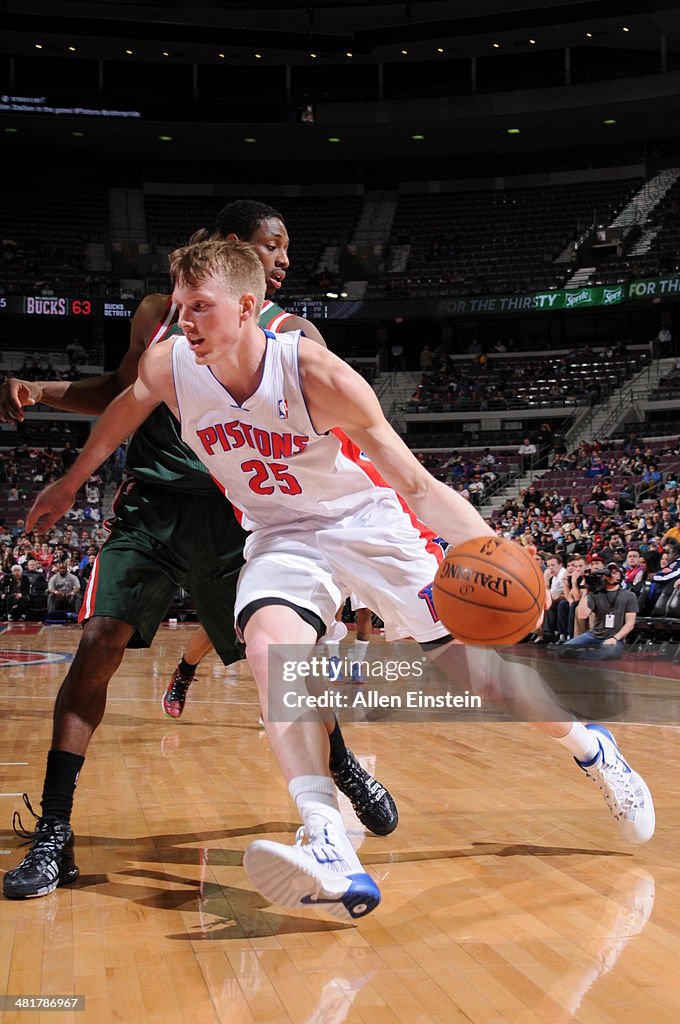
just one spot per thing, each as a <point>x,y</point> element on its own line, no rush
<point>337,396</point>
<point>123,416</point>
<point>91,395</point>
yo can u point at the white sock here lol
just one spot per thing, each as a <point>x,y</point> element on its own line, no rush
<point>360,648</point>
<point>333,648</point>
<point>581,742</point>
<point>316,799</point>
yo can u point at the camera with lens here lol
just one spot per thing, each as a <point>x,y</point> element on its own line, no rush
<point>596,580</point>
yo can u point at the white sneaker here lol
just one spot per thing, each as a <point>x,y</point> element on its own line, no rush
<point>324,873</point>
<point>625,792</point>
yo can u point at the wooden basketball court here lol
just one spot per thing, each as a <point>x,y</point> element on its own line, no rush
<point>508,897</point>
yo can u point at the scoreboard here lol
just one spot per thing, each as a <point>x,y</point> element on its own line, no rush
<point>51,306</point>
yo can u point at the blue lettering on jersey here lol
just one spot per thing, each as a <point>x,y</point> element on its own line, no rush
<point>426,595</point>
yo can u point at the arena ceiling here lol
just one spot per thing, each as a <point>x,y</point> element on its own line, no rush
<point>372,32</point>
<point>369,30</point>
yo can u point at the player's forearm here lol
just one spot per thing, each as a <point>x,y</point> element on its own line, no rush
<point>447,513</point>
<point>90,396</point>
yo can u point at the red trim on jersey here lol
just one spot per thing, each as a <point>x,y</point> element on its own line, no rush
<point>275,322</point>
<point>90,594</point>
<point>352,452</point>
<point>237,511</point>
<point>163,324</point>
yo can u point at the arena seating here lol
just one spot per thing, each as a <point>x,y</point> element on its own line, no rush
<point>663,255</point>
<point>495,241</point>
<point>498,384</point>
<point>45,231</point>
<point>312,224</point>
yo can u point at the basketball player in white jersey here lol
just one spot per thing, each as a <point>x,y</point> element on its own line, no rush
<point>260,411</point>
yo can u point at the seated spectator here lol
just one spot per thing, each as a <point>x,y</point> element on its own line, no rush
<point>635,572</point>
<point>15,593</point>
<point>555,574</point>
<point>626,496</point>
<point>527,451</point>
<point>568,624</point>
<point>476,490</point>
<point>99,535</point>
<point>38,587</point>
<point>45,556</point>
<point>85,570</point>
<point>92,493</point>
<point>670,572</point>
<point>76,352</point>
<point>63,591</point>
<point>651,478</point>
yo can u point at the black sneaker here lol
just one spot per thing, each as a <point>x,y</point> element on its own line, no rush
<point>48,864</point>
<point>372,803</point>
<point>174,697</point>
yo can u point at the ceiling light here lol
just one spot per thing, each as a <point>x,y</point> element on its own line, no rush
<point>129,52</point>
<point>533,42</point>
<point>348,54</point>
<point>38,46</point>
<point>165,53</point>
<point>496,46</point>
<point>333,138</point>
<point>404,52</point>
<point>440,49</point>
<point>165,138</point>
<point>626,29</point>
<point>72,49</point>
<point>12,131</point>
<point>249,138</point>
<point>258,56</point>
<point>221,55</point>
<point>589,35</point>
<point>513,131</point>
<point>313,55</point>
<point>78,135</point>
<point>609,120</point>
<point>418,138</point>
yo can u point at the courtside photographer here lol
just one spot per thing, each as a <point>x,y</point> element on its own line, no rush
<point>610,613</point>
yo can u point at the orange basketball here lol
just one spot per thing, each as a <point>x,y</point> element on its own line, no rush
<point>489,591</point>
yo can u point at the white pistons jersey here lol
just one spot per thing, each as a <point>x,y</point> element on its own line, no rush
<point>266,454</point>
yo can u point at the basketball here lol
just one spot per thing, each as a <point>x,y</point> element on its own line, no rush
<point>489,591</point>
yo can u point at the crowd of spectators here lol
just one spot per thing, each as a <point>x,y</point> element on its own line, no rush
<point>577,523</point>
<point>491,381</point>
<point>634,526</point>
<point>474,475</point>
<point>46,573</point>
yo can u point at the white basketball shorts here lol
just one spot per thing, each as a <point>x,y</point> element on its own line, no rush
<point>377,554</point>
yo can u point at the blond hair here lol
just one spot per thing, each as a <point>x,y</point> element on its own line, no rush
<point>236,265</point>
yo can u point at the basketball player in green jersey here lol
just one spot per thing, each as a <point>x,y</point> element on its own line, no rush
<point>172,528</point>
